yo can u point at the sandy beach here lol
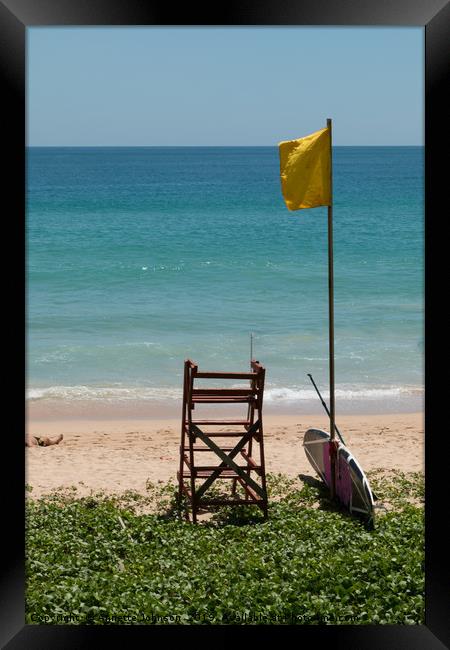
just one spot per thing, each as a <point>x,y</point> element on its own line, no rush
<point>124,454</point>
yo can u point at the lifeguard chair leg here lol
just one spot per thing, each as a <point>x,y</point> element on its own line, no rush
<point>183,436</point>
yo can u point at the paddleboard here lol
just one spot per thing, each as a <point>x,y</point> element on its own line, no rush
<point>352,486</point>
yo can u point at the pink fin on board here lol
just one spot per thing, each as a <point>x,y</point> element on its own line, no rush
<point>343,477</point>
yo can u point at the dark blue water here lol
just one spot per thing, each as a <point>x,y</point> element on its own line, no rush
<point>140,257</point>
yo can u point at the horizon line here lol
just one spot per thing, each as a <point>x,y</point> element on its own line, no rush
<point>180,146</point>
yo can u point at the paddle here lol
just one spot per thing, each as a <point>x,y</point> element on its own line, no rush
<point>326,408</point>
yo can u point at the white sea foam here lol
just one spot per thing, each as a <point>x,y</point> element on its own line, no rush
<point>272,395</point>
<point>298,394</point>
<point>35,393</point>
<point>103,393</point>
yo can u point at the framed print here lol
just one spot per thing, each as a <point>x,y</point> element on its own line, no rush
<point>119,288</point>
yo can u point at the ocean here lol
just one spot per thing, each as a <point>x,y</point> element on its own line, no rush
<point>138,258</point>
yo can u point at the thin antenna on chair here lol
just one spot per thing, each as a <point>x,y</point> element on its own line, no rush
<point>251,347</point>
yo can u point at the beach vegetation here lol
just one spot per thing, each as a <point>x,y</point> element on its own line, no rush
<point>134,559</point>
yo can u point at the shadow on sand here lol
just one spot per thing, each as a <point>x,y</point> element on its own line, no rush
<point>221,516</point>
<point>326,504</point>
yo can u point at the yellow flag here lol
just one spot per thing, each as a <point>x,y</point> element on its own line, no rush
<point>305,166</point>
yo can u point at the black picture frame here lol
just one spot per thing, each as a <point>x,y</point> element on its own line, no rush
<point>433,15</point>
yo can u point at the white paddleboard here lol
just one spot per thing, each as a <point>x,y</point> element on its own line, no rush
<point>352,486</point>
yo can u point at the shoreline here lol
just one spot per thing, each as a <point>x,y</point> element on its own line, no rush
<point>141,409</point>
<point>119,454</point>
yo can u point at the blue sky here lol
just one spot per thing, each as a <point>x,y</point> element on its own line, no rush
<point>181,86</point>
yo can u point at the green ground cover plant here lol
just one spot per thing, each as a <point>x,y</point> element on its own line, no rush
<point>134,560</point>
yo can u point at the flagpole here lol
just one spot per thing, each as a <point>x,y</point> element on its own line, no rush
<point>331,324</point>
<point>295,170</point>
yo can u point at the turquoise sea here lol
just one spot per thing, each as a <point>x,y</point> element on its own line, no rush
<point>138,258</point>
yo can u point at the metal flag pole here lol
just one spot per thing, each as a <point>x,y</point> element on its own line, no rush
<point>331,324</point>
<point>302,165</point>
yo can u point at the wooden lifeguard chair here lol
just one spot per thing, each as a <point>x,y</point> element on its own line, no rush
<point>198,440</point>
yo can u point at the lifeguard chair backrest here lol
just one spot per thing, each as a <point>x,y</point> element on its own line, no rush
<point>254,391</point>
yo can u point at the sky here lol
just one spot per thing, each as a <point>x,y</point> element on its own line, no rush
<point>223,86</point>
